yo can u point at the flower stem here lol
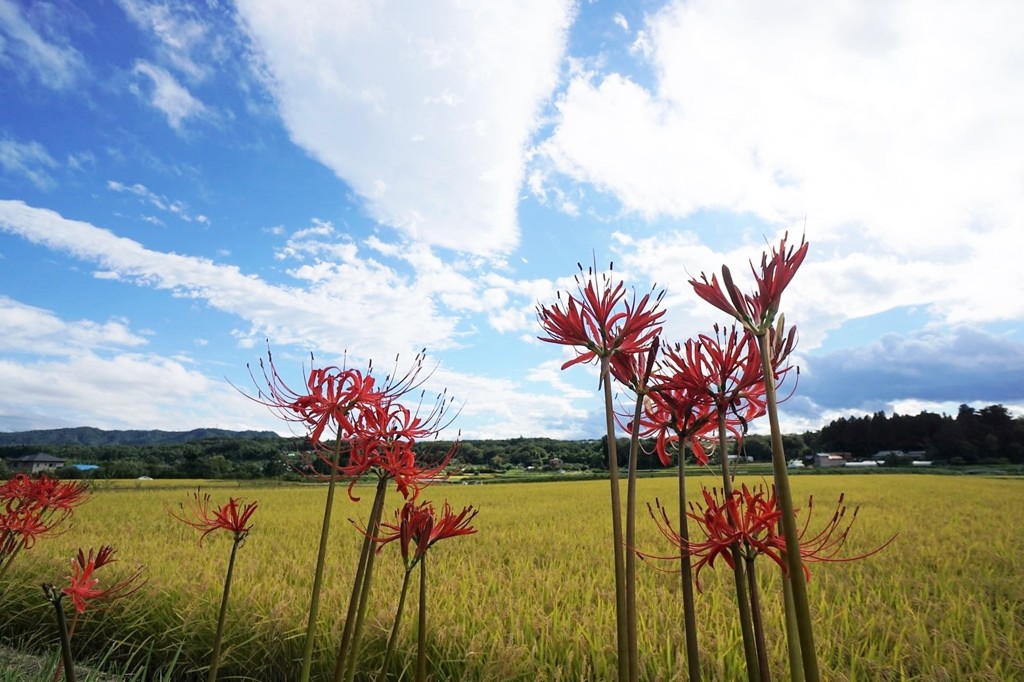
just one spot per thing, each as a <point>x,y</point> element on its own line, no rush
<point>222,616</point>
<point>801,606</point>
<point>394,628</point>
<point>796,672</point>
<point>739,573</point>
<point>689,610</point>
<point>421,628</point>
<point>755,608</point>
<point>364,577</point>
<point>631,625</point>
<point>620,567</point>
<point>318,573</point>
<point>55,597</point>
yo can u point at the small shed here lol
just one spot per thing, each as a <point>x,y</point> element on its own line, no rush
<point>33,464</point>
<point>829,459</point>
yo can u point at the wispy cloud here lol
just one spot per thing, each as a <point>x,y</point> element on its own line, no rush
<point>165,93</point>
<point>54,62</point>
<point>173,206</point>
<point>178,29</point>
<point>432,126</point>
<point>356,304</point>
<point>28,160</point>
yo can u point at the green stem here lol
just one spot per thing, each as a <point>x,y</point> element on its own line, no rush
<point>801,605</point>
<point>56,598</point>
<point>373,528</point>
<point>739,574</point>
<point>318,573</point>
<point>689,609</point>
<point>394,628</point>
<point>755,607</point>
<point>357,586</point>
<point>222,616</point>
<point>421,627</point>
<point>796,672</point>
<point>9,555</point>
<point>631,621</point>
<point>620,564</point>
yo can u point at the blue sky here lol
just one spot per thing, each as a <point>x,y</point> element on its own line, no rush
<point>182,182</point>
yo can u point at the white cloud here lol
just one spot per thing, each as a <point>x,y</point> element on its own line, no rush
<point>29,160</point>
<point>133,391</point>
<point>167,94</point>
<point>176,207</point>
<point>355,304</point>
<point>177,28</point>
<point>371,92</point>
<point>28,329</point>
<point>85,373</point>
<point>509,408</point>
<point>898,138</point>
<point>343,301</point>
<point>22,47</point>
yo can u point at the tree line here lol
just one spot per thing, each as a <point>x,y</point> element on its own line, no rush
<point>984,436</point>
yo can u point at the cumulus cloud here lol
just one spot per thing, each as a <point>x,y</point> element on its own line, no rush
<point>897,139</point>
<point>130,390</point>
<point>50,59</point>
<point>84,372</point>
<point>165,93</point>
<point>425,111</point>
<point>28,329</point>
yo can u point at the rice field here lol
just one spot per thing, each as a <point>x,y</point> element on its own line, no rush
<point>530,597</point>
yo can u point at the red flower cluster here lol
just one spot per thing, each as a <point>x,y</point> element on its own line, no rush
<point>746,517</point>
<point>671,415</point>
<point>32,507</point>
<point>601,322</point>
<point>83,589</point>
<point>756,312</point>
<point>750,517</point>
<point>417,527</point>
<point>347,409</point>
<point>232,517</point>
<point>705,377</point>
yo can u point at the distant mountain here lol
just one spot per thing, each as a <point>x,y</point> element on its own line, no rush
<point>87,435</point>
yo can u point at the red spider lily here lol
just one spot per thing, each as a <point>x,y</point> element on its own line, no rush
<point>756,312</point>
<point>752,518</point>
<point>383,442</point>
<point>31,508</point>
<point>727,368</point>
<point>748,517</point>
<point>231,517</point>
<point>829,541</point>
<point>634,369</point>
<point>21,527</point>
<point>600,324</point>
<point>83,590</point>
<point>417,528</point>
<point>674,414</point>
<point>331,394</point>
<point>43,492</point>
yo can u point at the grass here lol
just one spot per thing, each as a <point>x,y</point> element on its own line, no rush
<point>530,596</point>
